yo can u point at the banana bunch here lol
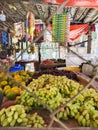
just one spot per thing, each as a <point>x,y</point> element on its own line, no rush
<point>35,121</point>
<point>13,116</point>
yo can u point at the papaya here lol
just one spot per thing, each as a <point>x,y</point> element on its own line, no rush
<point>11,95</point>
<point>16,89</point>
<point>1,89</point>
<point>3,83</point>
<point>1,74</point>
<point>10,83</point>
<point>6,89</point>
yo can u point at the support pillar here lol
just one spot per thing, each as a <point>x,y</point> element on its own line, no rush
<point>89,39</point>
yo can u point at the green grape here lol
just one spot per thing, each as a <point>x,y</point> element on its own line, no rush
<point>36,121</point>
<point>14,116</point>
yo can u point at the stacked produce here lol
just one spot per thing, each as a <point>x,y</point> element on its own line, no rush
<point>57,90</point>
<point>52,90</point>
<point>47,62</point>
<point>16,116</point>
<point>13,116</point>
<point>36,121</point>
<point>45,90</point>
<point>23,76</point>
<point>73,68</point>
<point>56,72</point>
<point>88,113</point>
<point>84,109</point>
<point>10,88</point>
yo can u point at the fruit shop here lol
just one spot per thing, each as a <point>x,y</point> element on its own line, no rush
<point>39,88</point>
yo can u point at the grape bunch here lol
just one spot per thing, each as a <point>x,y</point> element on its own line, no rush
<point>88,112</point>
<point>88,116</point>
<point>26,100</point>
<point>70,111</point>
<point>52,90</point>
<point>16,116</point>
<point>56,91</point>
<point>35,121</point>
<point>62,115</point>
<point>13,116</point>
<point>50,96</point>
<point>55,72</point>
<point>84,109</point>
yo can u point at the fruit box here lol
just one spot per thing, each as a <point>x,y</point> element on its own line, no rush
<point>83,79</point>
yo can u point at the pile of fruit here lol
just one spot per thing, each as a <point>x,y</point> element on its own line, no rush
<point>84,109</point>
<point>10,88</point>
<point>16,116</point>
<point>54,88</point>
<point>56,72</point>
<point>47,62</point>
<point>57,90</point>
<point>73,68</point>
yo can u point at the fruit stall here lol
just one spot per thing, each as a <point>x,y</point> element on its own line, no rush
<point>44,92</point>
<point>38,90</point>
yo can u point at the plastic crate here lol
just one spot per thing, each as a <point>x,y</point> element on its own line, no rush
<point>17,67</point>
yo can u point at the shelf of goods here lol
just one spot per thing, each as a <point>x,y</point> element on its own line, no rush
<point>54,65</point>
<point>50,64</point>
<point>59,27</point>
<point>21,111</point>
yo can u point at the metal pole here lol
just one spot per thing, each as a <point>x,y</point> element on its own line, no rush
<point>89,39</point>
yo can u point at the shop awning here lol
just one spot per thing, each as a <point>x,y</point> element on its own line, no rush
<point>82,3</point>
<point>77,30</point>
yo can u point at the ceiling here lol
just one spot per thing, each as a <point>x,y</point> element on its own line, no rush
<point>16,10</point>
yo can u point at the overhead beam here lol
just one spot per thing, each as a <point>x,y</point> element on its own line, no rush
<point>83,14</point>
<point>86,15</point>
<point>75,13</point>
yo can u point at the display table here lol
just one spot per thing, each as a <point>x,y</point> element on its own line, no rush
<point>52,66</point>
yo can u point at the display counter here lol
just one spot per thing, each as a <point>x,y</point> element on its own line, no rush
<point>52,66</point>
